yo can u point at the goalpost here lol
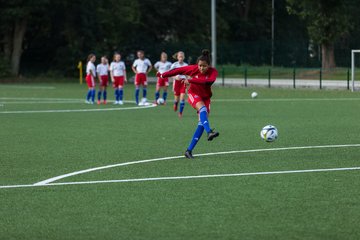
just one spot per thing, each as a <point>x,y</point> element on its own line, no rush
<point>353,68</point>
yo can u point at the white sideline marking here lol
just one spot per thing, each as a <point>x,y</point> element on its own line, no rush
<point>78,110</point>
<point>53,179</point>
<point>186,177</point>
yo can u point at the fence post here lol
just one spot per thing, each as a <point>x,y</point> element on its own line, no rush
<point>348,79</point>
<point>294,77</point>
<point>223,76</point>
<point>269,78</point>
<point>245,76</point>
<point>320,77</point>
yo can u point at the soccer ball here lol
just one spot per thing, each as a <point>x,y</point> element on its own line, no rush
<point>269,133</point>
<point>160,101</point>
<point>254,94</point>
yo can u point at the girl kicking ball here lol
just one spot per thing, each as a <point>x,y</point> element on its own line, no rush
<point>90,78</point>
<point>199,94</point>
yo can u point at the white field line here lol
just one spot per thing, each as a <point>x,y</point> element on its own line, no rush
<point>78,110</point>
<point>53,179</point>
<point>186,177</point>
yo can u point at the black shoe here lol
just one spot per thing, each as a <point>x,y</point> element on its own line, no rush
<point>212,135</point>
<point>188,154</point>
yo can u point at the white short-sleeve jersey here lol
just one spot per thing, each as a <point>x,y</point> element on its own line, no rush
<point>90,68</point>
<point>162,66</point>
<point>141,66</point>
<point>102,69</point>
<point>177,65</point>
<point>118,68</point>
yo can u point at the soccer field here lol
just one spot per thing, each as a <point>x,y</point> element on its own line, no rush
<point>69,170</point>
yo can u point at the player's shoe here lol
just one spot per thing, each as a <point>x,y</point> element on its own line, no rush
<point>188,154</point>
<point>175,107</point>
<point>98,102</point>
<point>87,102</point>
<point>121,102</point>
<point>91,102</point>
<point>212,135</point>
<point>116,102</point>
<point>104,102</point>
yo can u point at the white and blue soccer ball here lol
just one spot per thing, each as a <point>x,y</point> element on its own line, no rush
<point>269,133</point>
<point>254,95</point>
<point>160,101</point>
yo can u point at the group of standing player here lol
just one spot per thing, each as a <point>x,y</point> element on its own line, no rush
<point>141,67</point>
<point>199,77</point>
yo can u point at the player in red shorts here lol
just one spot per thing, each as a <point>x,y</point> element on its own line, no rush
<point>90,78</point>
<point>162,66</point>
<point>102,70</point>
<point>199,94</point>
<point>141,67</point>
<point>179,87</point>
<point>118,77</point>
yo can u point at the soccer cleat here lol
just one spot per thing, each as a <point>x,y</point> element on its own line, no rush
<point>121,102</point>
<point>87,102</point>
<point>98,102</point>
<point>175,107</point>
<point>104,102</point>
<point>116,102</point>
<point>212,135</point>
<point>188,154</point>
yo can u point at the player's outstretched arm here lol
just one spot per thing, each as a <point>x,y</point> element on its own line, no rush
<point>186,70</point>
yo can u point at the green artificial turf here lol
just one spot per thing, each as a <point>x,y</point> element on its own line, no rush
<point>42,145</point>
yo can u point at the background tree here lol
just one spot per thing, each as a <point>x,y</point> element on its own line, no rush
<point>326,20</point>
<point>15,16</point>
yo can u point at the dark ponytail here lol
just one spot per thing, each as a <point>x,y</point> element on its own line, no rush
<point>205,56</point>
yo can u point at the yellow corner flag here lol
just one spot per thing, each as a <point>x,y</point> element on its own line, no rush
<point>80,71</point>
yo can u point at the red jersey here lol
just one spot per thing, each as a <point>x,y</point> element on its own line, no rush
<point>200,84</point>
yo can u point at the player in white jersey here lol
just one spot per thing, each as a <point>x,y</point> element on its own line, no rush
<point>102,70</point>
<point>179,88</point>
<point>118,77</point>
<point>162,66</point>
<point>141,67</point>
<point>90,78</point>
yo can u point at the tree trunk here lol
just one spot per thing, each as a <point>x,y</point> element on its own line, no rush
<point>327,54</point>
<point>19,33</point>
<point>244,10</point>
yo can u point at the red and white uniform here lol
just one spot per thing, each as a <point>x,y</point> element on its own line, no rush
<point>200,84</point>
<point>178,87</point>
<point>90,74</point>
<point>162,67</point>
<point>141,66</point>
<point>102,71</point>
<point>118,71</point>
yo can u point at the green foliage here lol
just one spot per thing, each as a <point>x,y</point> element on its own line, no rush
<point>326,20</point>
